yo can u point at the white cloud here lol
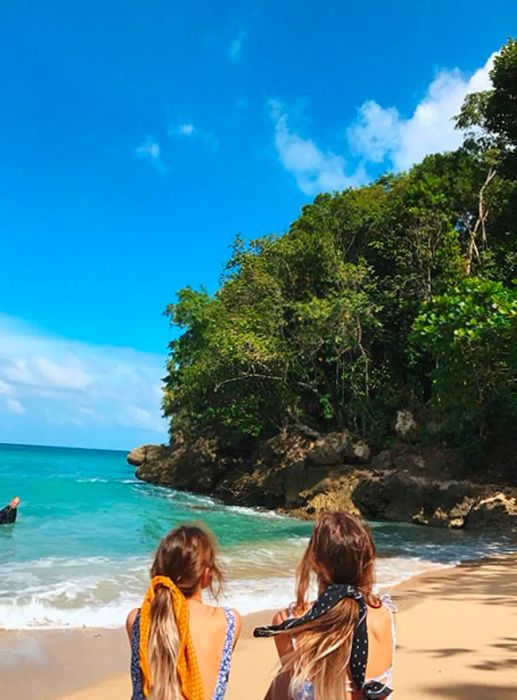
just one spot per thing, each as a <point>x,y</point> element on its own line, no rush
<point>150,150</point>
<point>56,382</point>
<point>235,46</point>
<point>376,132</point>
<point>189,130</point>
<point>14,406</point>
<point>135,416</point>
<point>42,372</point>
<point>381,133</point>
<point>315,170</point>
<point>5,388</point>
<point>86,410</point>
<point>185,129</point>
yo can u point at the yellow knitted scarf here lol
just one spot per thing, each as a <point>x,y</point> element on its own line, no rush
<point>187,666</point>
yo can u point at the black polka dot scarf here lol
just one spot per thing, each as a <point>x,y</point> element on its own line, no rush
<point>373,690</point>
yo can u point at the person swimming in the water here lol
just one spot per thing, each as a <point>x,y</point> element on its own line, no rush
<point>8,514</point>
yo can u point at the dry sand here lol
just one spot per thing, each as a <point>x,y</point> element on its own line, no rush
<point>457,640</point>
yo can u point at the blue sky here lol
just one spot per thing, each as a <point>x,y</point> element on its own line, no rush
<point>138,138</point>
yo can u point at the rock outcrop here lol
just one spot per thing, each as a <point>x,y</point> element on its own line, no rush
<point>337,448</point>
<point>304,476</point>
<point>406,427</point>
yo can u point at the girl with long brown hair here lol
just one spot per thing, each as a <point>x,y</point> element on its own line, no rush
<point>342,646</point>
<point>181,648</point>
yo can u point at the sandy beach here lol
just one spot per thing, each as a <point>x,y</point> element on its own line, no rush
<point>457,640</point>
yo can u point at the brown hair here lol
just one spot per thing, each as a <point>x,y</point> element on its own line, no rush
<point>183,555</point>
<point>341,550</point>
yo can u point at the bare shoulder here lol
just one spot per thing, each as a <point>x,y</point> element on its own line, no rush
<point>380,621</point>
<point>238,624</point>
<point>281,616</point>
<point>220,617</point>
<point>283,642</point>
<point>130,621</point>
<point>291,611</point>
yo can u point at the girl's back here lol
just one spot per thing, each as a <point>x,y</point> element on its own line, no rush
<point>381,651</point>
<point>181,647</point>
<point>213,633</point>
<point>381,641</point>
<point>340,647</point>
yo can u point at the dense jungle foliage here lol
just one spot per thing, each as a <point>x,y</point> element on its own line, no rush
<point>401,293</point>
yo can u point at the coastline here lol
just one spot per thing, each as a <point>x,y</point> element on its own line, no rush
<point>301,476</point>
<point>456,640</point>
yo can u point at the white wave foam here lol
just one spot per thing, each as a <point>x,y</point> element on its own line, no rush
<point>100,592</point>
<point>257,512</point>
<point>38,614</point>
<point>194,499</point>
<point>99,480</point>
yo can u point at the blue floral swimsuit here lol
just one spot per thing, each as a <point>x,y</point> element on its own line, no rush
<point>224,667</point>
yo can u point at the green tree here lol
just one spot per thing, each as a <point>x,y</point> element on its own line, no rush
<point>393,293</point>
<point>471,335</point>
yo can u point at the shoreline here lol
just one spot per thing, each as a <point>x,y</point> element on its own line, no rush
<point>256,579</point>
<point>300,475</point>
<point>456,633</point>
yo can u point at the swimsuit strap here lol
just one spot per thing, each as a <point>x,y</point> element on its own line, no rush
<point>226,656</point>
<point>388,603</point>
<point>136,671</point>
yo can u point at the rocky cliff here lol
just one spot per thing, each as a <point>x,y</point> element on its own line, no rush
<point>303,476</point>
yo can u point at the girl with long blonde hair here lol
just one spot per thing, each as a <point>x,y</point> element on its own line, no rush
<point>181,648</point>
<point>342,646</point>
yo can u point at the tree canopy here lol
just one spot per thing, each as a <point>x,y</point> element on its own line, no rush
<point>399,293</point>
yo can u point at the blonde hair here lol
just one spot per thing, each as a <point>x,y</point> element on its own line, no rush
<point>341,550</point>
<point>183,555</point>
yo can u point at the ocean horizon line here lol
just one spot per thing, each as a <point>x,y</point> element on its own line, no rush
<point>65,447</point>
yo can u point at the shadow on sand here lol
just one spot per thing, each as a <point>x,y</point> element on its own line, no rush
<point>470,691</point>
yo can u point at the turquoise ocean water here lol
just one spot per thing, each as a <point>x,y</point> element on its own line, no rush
<point>80,550</point>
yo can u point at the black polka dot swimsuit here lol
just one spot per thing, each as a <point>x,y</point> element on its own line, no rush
<point>372,688</point>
